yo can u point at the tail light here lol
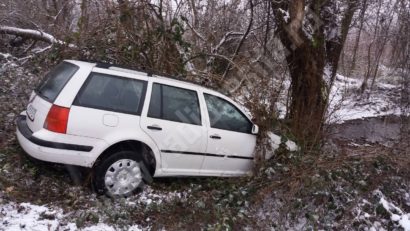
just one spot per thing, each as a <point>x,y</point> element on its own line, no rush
<point>57,119</point>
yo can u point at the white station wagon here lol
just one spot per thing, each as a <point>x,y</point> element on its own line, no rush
<point>129,126</point>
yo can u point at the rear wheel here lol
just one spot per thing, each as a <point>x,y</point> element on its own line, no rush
<point>121,174</point>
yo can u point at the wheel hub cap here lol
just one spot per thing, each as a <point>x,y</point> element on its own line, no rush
<point>123,177</point>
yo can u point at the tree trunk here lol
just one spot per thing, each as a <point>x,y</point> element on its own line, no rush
<point>382,41</point>
<point>308,100</point>
<point>359,33</point>
<point>307,58</point>
<point>334,47</point>
<point>370,64</point>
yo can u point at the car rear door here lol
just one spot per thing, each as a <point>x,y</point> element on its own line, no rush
<point>46,93</point>
<point>107,104</point>
<point>174,121</point>
<point>230,142</point>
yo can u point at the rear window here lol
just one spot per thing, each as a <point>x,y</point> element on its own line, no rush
<point>55,81</point>
<point>112,93</point>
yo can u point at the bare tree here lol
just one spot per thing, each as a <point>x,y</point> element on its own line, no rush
<point>401,54</point>
<point>363,9</point>
<point>375,50</point>
<point>314,39</point>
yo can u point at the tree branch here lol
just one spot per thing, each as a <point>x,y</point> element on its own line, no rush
<point>225,39</point>
<point>194,31</point>
<point>31,34</point>
<point>242,40</point>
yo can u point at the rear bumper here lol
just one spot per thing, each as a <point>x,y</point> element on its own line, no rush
<point>50,151</point>
<point>23,128</point>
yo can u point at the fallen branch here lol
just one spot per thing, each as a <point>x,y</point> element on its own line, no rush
<point>25,59</point>
<point>31,34</point>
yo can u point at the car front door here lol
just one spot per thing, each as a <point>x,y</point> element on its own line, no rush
<point>230,142</point>
<point>173,121</point>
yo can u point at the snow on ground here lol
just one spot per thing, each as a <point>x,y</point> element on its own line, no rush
<point>27,216</point>
<point>397,216</point>
<point>347,104</point>
<point>275,142</point>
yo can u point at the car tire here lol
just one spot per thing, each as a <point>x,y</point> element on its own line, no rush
<point>120,174</point>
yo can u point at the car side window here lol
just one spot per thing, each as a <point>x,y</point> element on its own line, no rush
<point>174,104</point>
<point>112,93</point>
<point>224,115</point>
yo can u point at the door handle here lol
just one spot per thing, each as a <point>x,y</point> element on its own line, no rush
<point>215,137</point>
<point>154,127</point>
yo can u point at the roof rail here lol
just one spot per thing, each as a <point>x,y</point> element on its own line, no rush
<point>150,73</point>
<point>108,65</point>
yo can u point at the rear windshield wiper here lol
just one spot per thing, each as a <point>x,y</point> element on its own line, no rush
<point>40,93</point>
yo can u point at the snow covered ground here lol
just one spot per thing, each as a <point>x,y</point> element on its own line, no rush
<point>27,216</point>
<point>347,104</point>
<point>395,214</point>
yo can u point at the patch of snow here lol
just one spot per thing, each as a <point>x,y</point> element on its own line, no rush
<point>345,104</point>
<point>149,197</point>
<point>386,86</point>
<point>5,55</point>
<point>26,216</point>
<point>280,105</point>
<point>396,214</point>
<point>405,222</point>
<point>285,14</point>
<point>105,227</point>
<point>275,142</point>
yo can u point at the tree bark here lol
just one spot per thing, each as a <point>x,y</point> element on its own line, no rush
<point>308,55</point>
<point>306,62</point>
<point>308,102</point>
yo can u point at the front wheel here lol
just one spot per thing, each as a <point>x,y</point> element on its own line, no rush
<point>120,174</point>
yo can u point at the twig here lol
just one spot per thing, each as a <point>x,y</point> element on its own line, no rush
<point>242,40</point>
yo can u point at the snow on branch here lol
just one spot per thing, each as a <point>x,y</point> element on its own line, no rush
<point>5,55</point>
<point>28,33</point>
<point>225,39</point>
<point>194,31</point>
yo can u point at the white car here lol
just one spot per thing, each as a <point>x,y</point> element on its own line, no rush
<point>129,125</point>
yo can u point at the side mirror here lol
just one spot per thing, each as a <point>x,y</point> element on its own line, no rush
<point>255,129</point>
